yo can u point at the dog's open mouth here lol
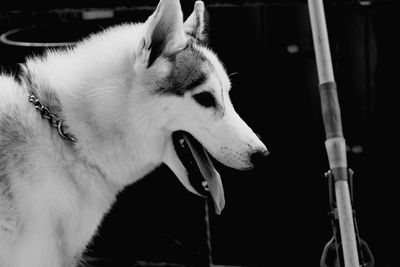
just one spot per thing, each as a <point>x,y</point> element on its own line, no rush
<point>202,175</point>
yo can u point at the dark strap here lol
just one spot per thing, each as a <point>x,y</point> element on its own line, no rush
<point>330,110</point>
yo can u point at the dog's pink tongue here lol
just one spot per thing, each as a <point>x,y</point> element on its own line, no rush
<point>209,173</point>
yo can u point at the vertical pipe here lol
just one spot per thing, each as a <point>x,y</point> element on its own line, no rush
<point>321,41</point>
<point>335,143</point>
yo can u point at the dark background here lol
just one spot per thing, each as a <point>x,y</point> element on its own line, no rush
<point>276,214</point>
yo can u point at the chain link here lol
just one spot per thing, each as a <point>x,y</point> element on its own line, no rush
<point>54,121</point>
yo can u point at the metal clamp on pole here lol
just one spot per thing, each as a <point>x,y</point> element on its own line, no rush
<point>332,255</point>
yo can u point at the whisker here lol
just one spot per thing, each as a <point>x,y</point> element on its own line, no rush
<point>233,74</point>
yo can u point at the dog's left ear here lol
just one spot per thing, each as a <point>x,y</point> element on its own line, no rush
<point>164,33</point>
<point>195,24</point>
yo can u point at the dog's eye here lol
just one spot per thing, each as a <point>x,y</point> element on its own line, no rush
<point>205,99</point>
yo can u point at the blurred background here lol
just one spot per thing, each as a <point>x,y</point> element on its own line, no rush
<point>277,213</point>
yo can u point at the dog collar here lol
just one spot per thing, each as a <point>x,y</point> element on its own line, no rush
<point>54,121</point>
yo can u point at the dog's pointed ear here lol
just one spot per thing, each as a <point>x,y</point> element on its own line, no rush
<point>164,33</point>
<point>195,25</point>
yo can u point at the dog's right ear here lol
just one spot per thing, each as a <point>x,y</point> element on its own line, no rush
<point>164,32</point>
<point>195,25</point>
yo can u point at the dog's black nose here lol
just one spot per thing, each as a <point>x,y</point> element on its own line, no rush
<point>258,157</point>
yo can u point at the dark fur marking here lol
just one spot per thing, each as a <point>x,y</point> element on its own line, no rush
<point>196,82</point>
<point>187,72</point>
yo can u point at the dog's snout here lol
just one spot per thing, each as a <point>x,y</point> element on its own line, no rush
<point>258,157</point>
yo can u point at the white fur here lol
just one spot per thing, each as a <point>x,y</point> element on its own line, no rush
<point>60,191</point>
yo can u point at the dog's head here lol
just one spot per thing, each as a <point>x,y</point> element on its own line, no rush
<point>190,87</point>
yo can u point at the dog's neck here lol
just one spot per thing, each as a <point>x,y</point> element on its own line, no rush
<point>82,91</point>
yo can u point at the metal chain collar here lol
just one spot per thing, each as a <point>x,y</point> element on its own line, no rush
<point>53,119</point>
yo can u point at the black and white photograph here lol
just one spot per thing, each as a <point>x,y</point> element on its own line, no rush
<point>199,133</point>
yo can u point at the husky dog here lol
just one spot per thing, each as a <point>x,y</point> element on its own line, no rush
<point>81,124</point>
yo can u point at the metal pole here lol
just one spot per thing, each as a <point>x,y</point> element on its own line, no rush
<point>335,143</point>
